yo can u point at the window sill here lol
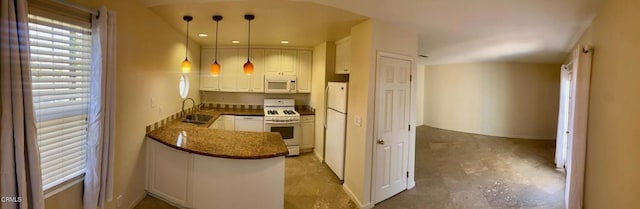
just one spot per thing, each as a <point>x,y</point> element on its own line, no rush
<point>63,186</point>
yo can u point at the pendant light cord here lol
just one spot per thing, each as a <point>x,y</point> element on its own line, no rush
<point>216,58</point>
<point>249,43</point>
<point>186,50</point>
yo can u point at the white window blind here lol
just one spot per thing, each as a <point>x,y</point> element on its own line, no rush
<point>60,67</point>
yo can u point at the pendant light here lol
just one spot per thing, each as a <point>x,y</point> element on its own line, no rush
<point>186,64</point>
<point>214,70</point>
<point>248,66</point>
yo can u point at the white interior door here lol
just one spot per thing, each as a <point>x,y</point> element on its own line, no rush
<point>565,110</point>
<point>393,90</point>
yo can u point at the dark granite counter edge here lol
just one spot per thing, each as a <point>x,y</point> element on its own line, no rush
<point>252,157</point>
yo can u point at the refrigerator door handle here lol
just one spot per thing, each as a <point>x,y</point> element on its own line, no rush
<point>326,104</point>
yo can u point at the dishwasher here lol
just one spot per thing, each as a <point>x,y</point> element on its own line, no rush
<point>249,123</point>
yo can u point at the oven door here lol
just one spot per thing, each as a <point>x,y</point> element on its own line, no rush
<point>290,132</point>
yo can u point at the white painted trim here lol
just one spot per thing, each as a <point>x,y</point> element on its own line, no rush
<point>577,142</point>
<point>137,200</point>
<point>539,137</point>
<point>64,186</point>
<point>412,120</point>
<point>355,199</point>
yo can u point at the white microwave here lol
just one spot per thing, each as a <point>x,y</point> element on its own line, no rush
<point>280,84</point>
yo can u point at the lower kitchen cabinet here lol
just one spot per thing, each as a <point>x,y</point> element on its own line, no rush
<point>225,122</point>
<point>169,173</point>
<point>202,182</point>
<point>307,132</point>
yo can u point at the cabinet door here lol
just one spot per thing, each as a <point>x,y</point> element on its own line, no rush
<point>228,122</point>
<point>272,61</point>
<point>207,82</point>
<point>257,79</point>
<point>170,173</point>
<point>243,82</point>
<point>288,61</point>
<point>229,68</point>
<point>304,71</point>
<point>343,56</point>
<point>307,131</point>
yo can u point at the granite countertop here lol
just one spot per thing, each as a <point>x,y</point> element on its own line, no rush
<point>199,139</point>
<point>305,111</point>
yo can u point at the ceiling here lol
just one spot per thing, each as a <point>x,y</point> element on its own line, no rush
<point>450,31</point>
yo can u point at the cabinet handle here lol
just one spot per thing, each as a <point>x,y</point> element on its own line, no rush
<point>345,70</point>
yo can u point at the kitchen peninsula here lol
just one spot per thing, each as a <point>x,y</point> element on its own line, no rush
<point>193,166</point>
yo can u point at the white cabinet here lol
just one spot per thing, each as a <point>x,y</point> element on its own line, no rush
<point>225,122</point>
<point>207,82</point>
<point>170,172</point>
<point>256,80</point>
<point>230,69</point>
<point>303,67</point>
<point>343,55</point>
<point>280,61</point>
<point>307,131</point>
<point>195,181</point>
<point>232,77</point>
<point>249,123</point>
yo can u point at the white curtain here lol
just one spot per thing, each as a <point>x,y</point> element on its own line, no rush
<point>21,175</point>
<point>577,140</point>
<point>98,182</point>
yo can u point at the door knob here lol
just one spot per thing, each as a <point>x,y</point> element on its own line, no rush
<point>380,141</point>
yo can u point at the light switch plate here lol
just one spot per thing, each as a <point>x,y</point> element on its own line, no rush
<point>153,102</point>
<point>357,120</point>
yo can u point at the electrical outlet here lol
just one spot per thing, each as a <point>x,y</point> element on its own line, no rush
<point>119,201</point>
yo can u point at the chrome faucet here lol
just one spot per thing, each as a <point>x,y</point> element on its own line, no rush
<point>194,104</point>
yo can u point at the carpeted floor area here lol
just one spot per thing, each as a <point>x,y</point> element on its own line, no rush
<point>454,170</point>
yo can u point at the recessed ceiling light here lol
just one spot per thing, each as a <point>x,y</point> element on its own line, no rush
<point>203,34</point>
<point>235,41</point>
<point>284,42</point>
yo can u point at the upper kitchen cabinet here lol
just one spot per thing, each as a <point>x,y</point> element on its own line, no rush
<point>207,82</point>
<point>290,62</point>
<point>280,61</point>
<point>232,77</point>
<point>303,67</point>
<point>343,55</point>
<point>230,69</point>
<point>256,80</point>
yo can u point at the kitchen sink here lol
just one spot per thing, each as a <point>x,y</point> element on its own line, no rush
<point>197,118</point>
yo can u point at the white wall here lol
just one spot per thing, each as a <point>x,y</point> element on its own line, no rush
<point>149,53</point>
<point>612,168</point>
<point>318,82</point>
<point>419,79</point>
<point>498,99</point>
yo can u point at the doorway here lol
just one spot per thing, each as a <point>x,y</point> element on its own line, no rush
<point>392,130</point>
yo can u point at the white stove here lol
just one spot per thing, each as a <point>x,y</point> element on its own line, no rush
<point>280,116</point>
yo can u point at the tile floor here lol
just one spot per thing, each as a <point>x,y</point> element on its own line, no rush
<point>453,171</point>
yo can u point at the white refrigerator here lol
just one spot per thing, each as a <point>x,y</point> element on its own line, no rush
<point>335,126</point>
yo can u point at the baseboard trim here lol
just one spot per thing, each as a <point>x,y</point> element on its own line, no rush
<point>538,137</point>
<point>137,200</point>
<point>411,184</point>
<point>355,199</point>
<point>318,156</point>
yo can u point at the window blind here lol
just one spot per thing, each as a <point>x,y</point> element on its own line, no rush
<point>60,68</point>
